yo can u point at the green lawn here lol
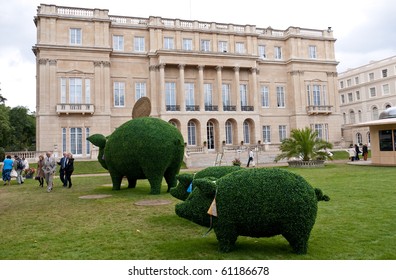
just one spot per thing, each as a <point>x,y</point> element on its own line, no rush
<point>358,223</point>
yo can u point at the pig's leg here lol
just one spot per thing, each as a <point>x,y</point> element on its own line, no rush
<point>226,236</point>
<point>116,179</point>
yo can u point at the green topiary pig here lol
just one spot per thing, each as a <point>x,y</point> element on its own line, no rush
<point>142,148</point>
<point>260,202</point>
<point>182,189</point>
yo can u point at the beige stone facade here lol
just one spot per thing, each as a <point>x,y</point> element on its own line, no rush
<point>364,93</point>
<point>220,84</point>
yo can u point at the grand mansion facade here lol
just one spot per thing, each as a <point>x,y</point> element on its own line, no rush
<point>219,84</point>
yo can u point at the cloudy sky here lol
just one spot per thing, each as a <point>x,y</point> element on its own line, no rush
<point>365,29</point>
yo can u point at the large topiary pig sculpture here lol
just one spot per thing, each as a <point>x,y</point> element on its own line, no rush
<point>182,190</point>
<point>260,202</point>
<point>142,148</point>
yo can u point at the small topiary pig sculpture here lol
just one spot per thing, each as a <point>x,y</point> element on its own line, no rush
<point>260,202</point>
<point>215,172</point>
<point>142,148</point>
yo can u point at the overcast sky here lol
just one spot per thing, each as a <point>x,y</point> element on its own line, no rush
<point>365,29</point>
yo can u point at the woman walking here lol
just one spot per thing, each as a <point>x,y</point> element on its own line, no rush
<point>40,171</point>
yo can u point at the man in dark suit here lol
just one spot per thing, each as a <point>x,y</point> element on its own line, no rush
<point>62,163</point>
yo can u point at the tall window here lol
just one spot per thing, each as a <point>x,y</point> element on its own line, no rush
<point>385,89</point>
<point>187,44</point>
<point>75,90</point>
<point>349,82</point>
<point>63,90</point>
<point>246,132</point>
<point>228,131</point>
<point>140,90</point>
<point>356,80</point>
<point>189,95</point>
<point>278,53</point>
<point>312,52</point>
<point>261,52</point>
<point>371,76</point>
<point>375,113</point>
<point>191,133</point>
<point>205,45</point>
<point>239,47</point>
<point>76,140</point>
<point>168,43</point>
<point>372,92</point>
<point>208,92</point>
<point>170,96</point>
<point>118,42</point>
<point>75,36</point>
<point>360,116</point>
<point>87,91</point>
<point>87,143</point>
<point>318,95</point>
<point>342,99</point>
<point>282,132</point>
<point>357,95</point>
<point>350,97</point>
<point>384,73</point>
<point>265,96</point>
<point>243,94</point>
<point>226,94</point>
<point>138,44</point>
<point>267,134</point>
<point>322,130</point>
<point>119,94</point>
<point>64,140</point>
<point>351,116</point>
<point>223,46</point>
<point>280,96</point>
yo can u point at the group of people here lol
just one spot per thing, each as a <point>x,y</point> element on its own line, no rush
<point>354,152</point>
<point>16,165</point>
<point>46,168</point>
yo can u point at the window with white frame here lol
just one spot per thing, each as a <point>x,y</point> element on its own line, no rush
<point>342,99</point>
<point>357,93</point>
<point>208,92</point>
<point>344,118</point>
<point>280,96</point>
<point>266,134</point>
<point>278,52</point>
<point>64,140</point>
<point>342,84</point>
<point>223,46</point>
<point>239,47</point>
<point>350,97</point>
<point>371,76</point>
<point>357,80</point>
<point>170,94</point>
<point>138,43</point>
<point>246,132</point>
<point>87,91</point>
<point>205,45</point>
<point>226,91</point>
<point>317,95</point>
<point>76,140</point>
<point>191,133</point>
<point>265,96</point>
<point>118,42</point>
<point>189,94</point>
<point>75,36</point>
<point>243,94</point>
<point>119,94</point>
<point>372,92</point>
<point>140,90</point>
<point>168,43</point>
<point>349,82</point>
<point>282,132</point>
<point>322,130</point>
<point>63,90</point>
<point>87,143</point>
<point>187,44</point>
<point>385,89</point>
<point>261,52</point>
<point>384,73</point>
<point>312,52</point>
<point>360,115</point>
<point>228,131</point>
<point>75,90</point>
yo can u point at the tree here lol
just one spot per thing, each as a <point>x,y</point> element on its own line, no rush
<point>304,143</point>
<point>23,131</point>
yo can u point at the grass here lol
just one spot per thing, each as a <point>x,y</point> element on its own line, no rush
<point>358,223</point>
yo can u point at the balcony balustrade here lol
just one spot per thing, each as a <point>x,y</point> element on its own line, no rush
<point>229,108</point>
<point>173,107</point>
<point>247,108</point>
<point>319,109</point>
<point>192,107</point>
<point>75,109</point>
<point>211,108</point>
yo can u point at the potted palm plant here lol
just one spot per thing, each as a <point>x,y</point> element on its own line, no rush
<point>304,149</point>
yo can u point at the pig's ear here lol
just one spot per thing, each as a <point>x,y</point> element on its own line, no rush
<point>185,179</point>
<point>206,186</point>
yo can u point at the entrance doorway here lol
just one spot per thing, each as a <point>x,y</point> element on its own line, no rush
<point>210,136</point>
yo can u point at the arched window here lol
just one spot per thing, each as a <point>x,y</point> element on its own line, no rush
<point>375,113</point>
<point>246,132</point>
<point>228,131</point>
<point>359,138</point>
<point>191,131</point>
<point>360,115</point>
<point>368,138</point>
<point>351,116</point>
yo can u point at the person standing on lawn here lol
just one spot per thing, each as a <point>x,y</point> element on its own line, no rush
<point>49,170</point>
<point>69,168</point>
<point>6,172</point>
<point>40,170</point>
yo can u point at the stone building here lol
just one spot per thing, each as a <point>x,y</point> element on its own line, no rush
<point>365,92</point>
<point>222,85</point>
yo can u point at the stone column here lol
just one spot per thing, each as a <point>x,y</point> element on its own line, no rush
<point>201,94</point>
<point>161,100</point>
<point>253,87</point>
<point>153,94</point>
<point>182,97</point>
<point>236,89</point>
<point>219,88</point>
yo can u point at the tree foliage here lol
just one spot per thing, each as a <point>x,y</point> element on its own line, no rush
<point>304,143</point>
<point>17,129</point>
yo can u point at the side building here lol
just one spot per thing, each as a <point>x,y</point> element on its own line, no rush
<point>365,92</point>
<point>222,85</point>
